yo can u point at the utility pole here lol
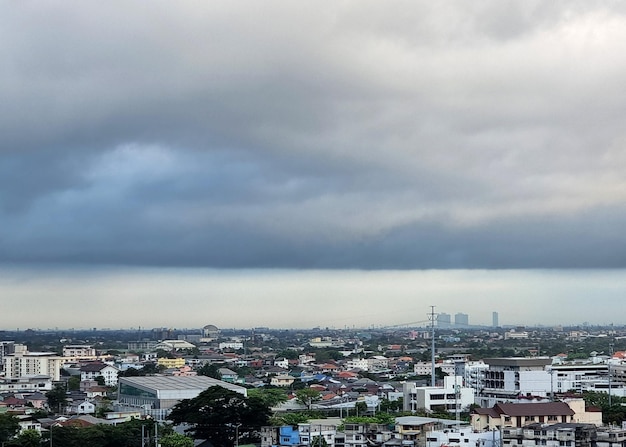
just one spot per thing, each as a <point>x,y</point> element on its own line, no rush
<point>608,364</point>
<point>432,317</point>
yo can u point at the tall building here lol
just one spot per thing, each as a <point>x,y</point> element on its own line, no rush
<point>494,319</point>
<point>443,320</point>
<point>25,364</point>
<point>461,319</point>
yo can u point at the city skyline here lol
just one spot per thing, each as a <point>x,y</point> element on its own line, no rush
<point>373,160</point>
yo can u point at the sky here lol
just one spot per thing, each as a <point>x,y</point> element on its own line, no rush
<point>191,163</point>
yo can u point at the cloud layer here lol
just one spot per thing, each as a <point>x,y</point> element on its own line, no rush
<point>290,135</point>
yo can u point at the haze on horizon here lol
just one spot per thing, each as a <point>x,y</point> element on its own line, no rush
<point>257,160</point>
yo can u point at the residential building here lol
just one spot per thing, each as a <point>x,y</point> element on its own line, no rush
<point>27,364</point>
<point>511,377</point>
<point>443,320</point>
<point>461,320</point>
<point>462,437</point>
<point>79,351</point>
<point>92,370</point>
<point>25,384</point>
<point>452,396</point>
<point>552,435</point>
<point>282,380</point>
<point>503,415</point>
<point>168,363</point>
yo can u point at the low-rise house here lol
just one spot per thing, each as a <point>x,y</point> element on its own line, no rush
<point>282,380</point>
<point>518,415</point>
<point>90,371</point>
<point>83,407</point>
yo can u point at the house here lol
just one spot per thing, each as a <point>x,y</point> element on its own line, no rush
<point>83,407</point>
<point>283,380</point>
<point>92,370</point>
<point>228,375</point>
<point>518,415</point>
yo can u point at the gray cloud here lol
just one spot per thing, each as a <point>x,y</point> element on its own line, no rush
<point>278,135</point>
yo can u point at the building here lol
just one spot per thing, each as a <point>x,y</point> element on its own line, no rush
<point>553,435</point>
<point>79,351</point>
<point>92,370</point>
<point>452,397</point>
<point>518,415</point>
<point>462,437</point>
<point>509,378</point>
<point>461,320</point>
<point>168,363</point>
<point>28,364</point>
<point>25,384</point>
<point>494,319</point>
<point>156,395</point>
<point>443,320</point>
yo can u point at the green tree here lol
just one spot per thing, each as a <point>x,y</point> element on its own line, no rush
<point>221,415</point>
<point>176,440</point>
<point>57,398</point>
<point>210,370</point>
<point>306,396</point>
<point>361,408</point>
<point>73,383</point>
<point>9,426</point>
<point>269,396</point>
<point>28,438</point>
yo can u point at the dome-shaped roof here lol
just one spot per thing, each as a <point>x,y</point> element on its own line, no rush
<point>210,327</point>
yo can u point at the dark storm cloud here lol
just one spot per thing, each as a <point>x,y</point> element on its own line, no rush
<point>430,135</point>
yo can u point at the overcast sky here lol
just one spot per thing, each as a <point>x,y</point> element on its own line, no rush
<point>274,148</point>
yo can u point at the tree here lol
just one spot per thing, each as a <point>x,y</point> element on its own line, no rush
<point>209,370</point>
<point>176,440</point>
<point>28,438</point>
<point>306,396</point>
<point>270,396</point>
<point>9,426</point>
<point>56,398</point>
<point>73,383</point>
<point>221,415</point>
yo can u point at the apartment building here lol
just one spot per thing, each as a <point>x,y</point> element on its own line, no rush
<point>509,378</point>
<point>24,364</point>
<point>452,396</point>
<point>519,415</point>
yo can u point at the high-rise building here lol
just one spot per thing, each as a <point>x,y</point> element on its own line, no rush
<point>494,319</point>
<point>443,320</point>
<point>461,319</point>
<point>21,364</point>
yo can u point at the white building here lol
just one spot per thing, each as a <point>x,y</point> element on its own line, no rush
<point>357,363</point>
<point>26,364</point>
<point>453,396</point>
<point>25,384</point>
<point>462,437</point>
<point>91,371</point>
<point>234,345</point>
<point>377,363</point>
<point>79,351</point>
<point>509,378</point>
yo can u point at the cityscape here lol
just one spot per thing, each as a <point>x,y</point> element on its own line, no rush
<point>295,224</point>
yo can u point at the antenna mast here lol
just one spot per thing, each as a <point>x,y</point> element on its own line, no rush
<point>432,317</point>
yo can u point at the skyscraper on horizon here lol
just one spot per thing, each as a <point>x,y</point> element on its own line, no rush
<point>494,319</point>
<point>443,320</point>
<point>461,319</point>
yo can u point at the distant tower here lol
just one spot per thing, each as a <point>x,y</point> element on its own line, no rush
<point>461,320</point>
<point>443,320</point>
<point>494,319</point>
